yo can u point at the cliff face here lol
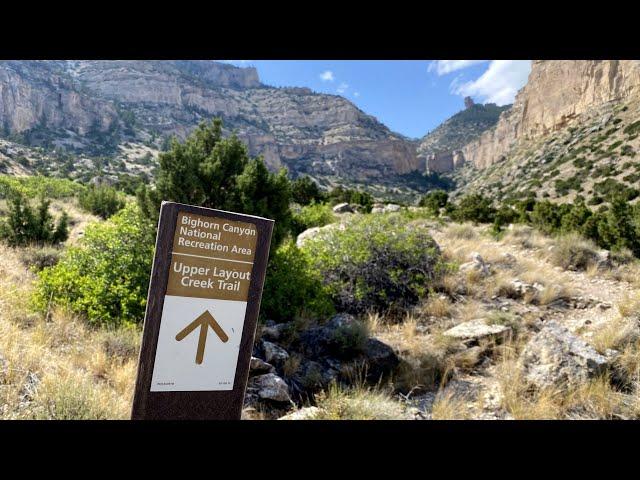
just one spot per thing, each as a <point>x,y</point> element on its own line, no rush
<point>146,101</point>
<point>557,92</point>
<point>440,149</point>
<point>34,94</point>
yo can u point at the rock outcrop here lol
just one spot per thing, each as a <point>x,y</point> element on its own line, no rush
<point>557,92</point>
<point>441,150</point>
<point>555,356</point>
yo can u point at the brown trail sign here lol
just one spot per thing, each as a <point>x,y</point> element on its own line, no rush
<point>208,273</point>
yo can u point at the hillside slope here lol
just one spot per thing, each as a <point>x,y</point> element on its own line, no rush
<point>572,127</point>
<point>100,108</point>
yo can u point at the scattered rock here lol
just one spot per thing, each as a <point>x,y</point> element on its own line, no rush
<point>343,208</point>
<point>306,413</point>
<point>269,387</point>
<point>260,367</point>
<point>273,353</point>
<point>477,329</point>
<point>556,357</point>
<point>522,288</point>
<point>476,264</point>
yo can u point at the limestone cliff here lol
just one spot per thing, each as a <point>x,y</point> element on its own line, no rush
<point>439,150</point>
<point>557,92</point>
<point>96,107</point>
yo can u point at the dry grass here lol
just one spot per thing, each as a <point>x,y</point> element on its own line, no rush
<point>357,403</point>
<point>525,237</point>
<point>595,399</point>
<point>449,407</point>
<point>574,252</point>
<point>438,306</point>
<point>58,367</point>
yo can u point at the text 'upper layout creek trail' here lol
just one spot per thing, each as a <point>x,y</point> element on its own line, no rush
<point>205,304</point>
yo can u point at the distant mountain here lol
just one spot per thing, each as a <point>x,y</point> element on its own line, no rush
<point>439,149</point>
<point>110,117</point>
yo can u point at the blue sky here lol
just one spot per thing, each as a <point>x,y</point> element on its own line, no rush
<point>411,97</point>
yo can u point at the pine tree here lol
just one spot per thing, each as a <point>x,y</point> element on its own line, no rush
<point>216,172</point>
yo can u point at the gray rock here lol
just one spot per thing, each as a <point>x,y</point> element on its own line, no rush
<point>273,353</point>
<point>476,264</point>
<point>556,357</point>
<point>260,367</point>
<point>312,375</point>
<point>305,413</point>
<point>313,232</point>
<point>477,329</point>
<point>392,207</point>
<point>380,359</point>
<point>269,387</point>
<point>522,288</point>
<point>274,332</point>
<point>343,208</point>
<point>306,235</point>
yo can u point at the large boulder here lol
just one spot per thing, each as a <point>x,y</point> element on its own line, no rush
<point>377,208</point>
<point>380,359</point>
<point>343,208</point>
<point>274,354</point>
<point>329,340</point>
<point>342,339</point>
<point>269,387</point>
<point>391,207</point>
<point>556,357</point>
<point>314,231</point>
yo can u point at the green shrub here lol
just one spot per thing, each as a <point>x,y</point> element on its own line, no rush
<point>628,151</point>
<point>353,196</point>
<point>106,276</point>
<point>38,186</point>
<point>292,288</point>
<point>313,215</point>
<point>474,208</point>
<point>305,191</point>
<point>215,172</point>
<point>23,225</point>
<point>103,201</point>
<point>434,201</point>
<point>376,263</point>
<point>632,128</point>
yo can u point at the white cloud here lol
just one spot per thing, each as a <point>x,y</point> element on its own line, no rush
<point>342,88</point>
<point>498,84</point>
<point>327,76</point>
<point>442,67</point>
<point>356,94</point>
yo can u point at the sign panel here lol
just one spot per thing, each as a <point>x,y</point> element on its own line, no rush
<point>202,312</point>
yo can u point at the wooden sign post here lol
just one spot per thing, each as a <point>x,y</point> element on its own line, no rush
<point>202,311</point>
